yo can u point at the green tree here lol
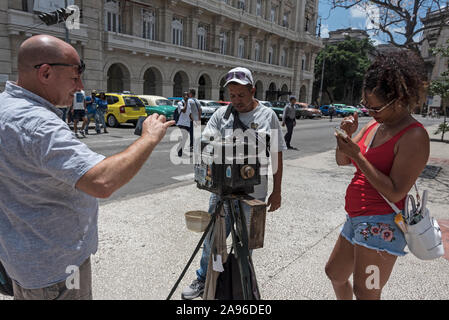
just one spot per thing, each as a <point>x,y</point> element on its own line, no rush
<point>344,67</point>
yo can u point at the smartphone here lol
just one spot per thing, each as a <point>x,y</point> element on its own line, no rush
<point>341,132</point>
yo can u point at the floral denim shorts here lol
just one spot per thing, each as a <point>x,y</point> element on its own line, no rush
<point>375,232</point>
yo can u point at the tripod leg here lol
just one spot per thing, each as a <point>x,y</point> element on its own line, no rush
<point>212,222</point>
<point>240,243</point>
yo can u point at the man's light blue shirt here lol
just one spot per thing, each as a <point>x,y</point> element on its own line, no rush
<point>46,224</point>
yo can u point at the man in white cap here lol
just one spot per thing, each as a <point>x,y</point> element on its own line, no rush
<point>251,114</point>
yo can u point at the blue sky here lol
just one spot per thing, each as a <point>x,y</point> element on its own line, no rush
<point>339,18</point>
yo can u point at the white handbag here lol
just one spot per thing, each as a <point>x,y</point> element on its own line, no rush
<point>424,236</point>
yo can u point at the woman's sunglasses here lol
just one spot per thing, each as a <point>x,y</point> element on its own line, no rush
<point>377,110</point>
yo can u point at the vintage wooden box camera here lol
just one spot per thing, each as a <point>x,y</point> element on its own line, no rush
<point>228,167</point>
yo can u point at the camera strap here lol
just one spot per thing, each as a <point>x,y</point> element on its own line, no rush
<point>238,124</point>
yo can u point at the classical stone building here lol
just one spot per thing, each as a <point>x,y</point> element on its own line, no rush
<point>164,47</point>
<point>433,38</point>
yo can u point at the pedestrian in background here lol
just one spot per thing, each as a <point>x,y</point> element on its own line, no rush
<point>289,120</point>
<point>389,154</point>
<point>50,180</point>
<point>91,108</point>
<point>331,112</point>
<point>79,112</point>
<point>183,121</point>
<point>102,108</point>
<point>195,115</point>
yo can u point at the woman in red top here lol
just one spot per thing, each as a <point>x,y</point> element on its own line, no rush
<point>389,154</point>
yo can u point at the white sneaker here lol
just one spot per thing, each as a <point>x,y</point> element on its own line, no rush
<point>193,291</point>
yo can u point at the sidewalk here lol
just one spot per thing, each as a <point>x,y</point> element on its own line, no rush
<point>144,243</point>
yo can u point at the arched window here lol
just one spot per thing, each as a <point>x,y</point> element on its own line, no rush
<point>223,42</point>
<point>148,25</point>
<point>257,51</point>
<point>201,38</point>
<point>270,55</point>
<point>241,50</point>
<point>177,32</point>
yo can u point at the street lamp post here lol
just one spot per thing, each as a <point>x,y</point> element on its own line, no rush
<point>321,82</point>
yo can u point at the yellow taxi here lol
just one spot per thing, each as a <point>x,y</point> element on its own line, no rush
<point>123,108</point>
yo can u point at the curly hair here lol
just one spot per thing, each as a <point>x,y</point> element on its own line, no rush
<point>399,75</point>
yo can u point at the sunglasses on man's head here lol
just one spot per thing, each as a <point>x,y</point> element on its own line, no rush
<point>240,75</point>
<point>81,67</point>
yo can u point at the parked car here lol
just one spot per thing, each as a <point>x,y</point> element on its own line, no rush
<point>123,108</point>
<point>224,103</point>
<point>325,109</point>
<point>342,110</point>
<point>210,103</point>
<point>363,109</point>
<point>174,100</point>
<point>349,110</point>
<point>279,104</point>
<point>277,110</point>
<point>208,107</point>
<point>304,110</point>
<point>159,105</point>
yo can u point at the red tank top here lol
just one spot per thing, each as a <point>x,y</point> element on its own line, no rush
<point>361,198</point>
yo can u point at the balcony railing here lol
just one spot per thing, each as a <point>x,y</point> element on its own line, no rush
<point>254,21</point>
<point>170,51</point>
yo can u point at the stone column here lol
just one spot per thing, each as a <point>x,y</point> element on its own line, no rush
<point>165,21</point>
<point>194,32</point>
<point>251,44</point>
<point>300,12</point>
<point>167,88</point>
<point>136,85</point>
<point>215,92</point>
<point>235,39</point>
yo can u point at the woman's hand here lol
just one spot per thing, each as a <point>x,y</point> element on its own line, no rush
<point>350,124</point>
<point>348,147</point>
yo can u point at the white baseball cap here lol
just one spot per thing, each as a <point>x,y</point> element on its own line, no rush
<point>239,75</point>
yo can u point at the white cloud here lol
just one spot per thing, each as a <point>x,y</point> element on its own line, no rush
<point>324,31</point>
<point>357,12</point>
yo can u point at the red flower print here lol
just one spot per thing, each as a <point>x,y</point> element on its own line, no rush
<point>387,235</point>
<point>375,231</point>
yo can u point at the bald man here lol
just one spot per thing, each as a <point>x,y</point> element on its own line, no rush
<point>49,180</point>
